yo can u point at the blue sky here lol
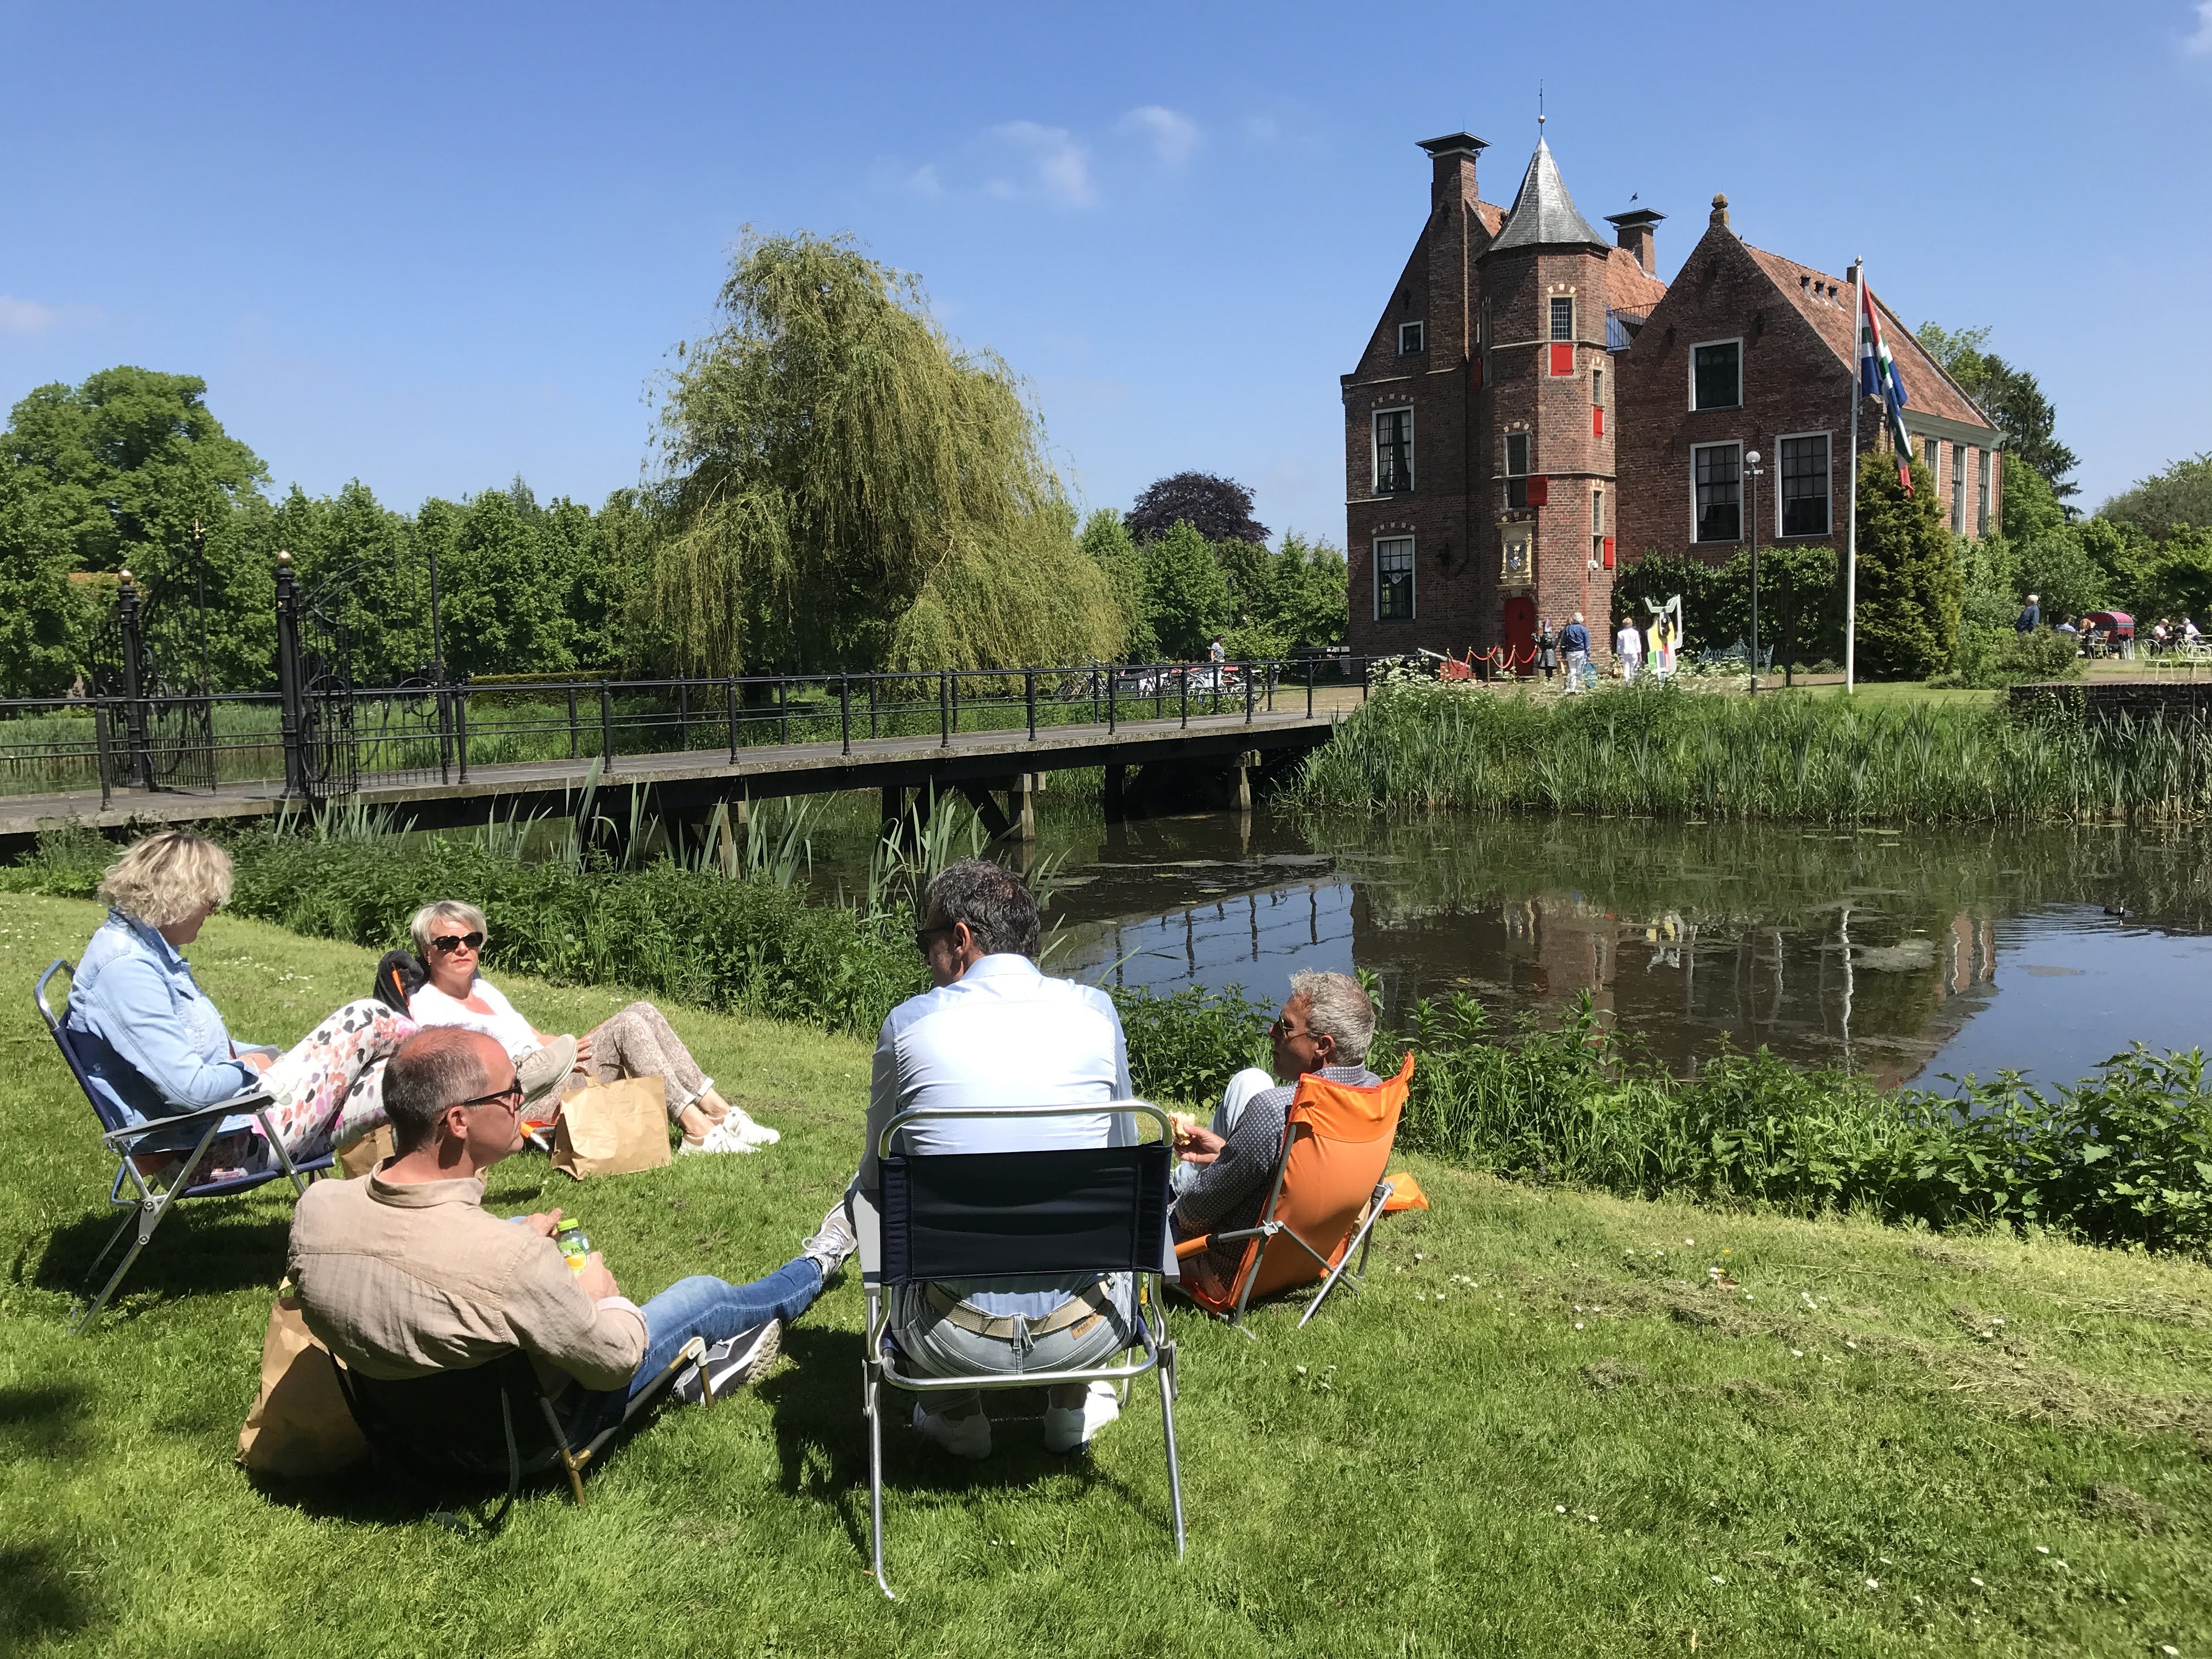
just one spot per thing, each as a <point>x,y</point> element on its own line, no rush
<point>435,247</point>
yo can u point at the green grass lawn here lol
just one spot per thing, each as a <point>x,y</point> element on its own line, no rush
<point>1543,1429</point>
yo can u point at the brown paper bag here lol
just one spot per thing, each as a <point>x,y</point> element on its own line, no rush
<point>364,1153</point>
<point>300,1424</point>
<point>613,1128</point>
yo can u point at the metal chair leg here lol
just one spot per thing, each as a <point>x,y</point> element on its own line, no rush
<point>1167,1371</point>
<point>152,1208</point>
<point>872,1405</point>
<point>1360,1240</point>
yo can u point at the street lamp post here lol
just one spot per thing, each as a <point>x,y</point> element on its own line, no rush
<point>1751,467</point>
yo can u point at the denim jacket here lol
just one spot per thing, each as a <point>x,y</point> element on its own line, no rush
<point>147,1033</point>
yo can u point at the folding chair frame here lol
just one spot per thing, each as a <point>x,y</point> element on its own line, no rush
<point>151,1204</point>
<point>1268,1230</point>
<point>1158,1350</point>
<point>571,1459</point>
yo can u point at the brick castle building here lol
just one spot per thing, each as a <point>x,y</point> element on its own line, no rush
<point>1535,406</point>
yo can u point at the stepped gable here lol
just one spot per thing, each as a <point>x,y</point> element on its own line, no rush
<point>1543,215</point>
<point>1928,389</point>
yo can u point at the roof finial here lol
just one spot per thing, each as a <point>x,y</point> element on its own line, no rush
<point>1540,110</point>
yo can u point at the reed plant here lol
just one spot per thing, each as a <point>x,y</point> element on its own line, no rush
<point>1665,752</point>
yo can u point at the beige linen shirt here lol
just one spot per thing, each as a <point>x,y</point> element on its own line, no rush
<point>404,1279</point>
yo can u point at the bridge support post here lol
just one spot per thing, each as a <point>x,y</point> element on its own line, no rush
<point>1247,764</point>
<point>1022,798</point>
<point>894,809</point>
<point>1116,779</point>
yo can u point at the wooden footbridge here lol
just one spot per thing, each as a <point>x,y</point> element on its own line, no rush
<point>427,755</point>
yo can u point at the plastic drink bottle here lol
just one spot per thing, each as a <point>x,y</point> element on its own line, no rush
<point>575,1243</point>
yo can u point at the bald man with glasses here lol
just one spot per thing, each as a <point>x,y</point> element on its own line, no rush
<point>403,1273</point>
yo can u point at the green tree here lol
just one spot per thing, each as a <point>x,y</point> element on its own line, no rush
<point>2182,495</point>
<point>2179,581</point>
<point>504,584</point>
<point>1186,594</point>
<point>1909,579</point>
<point>130,461</point>
<point>1106,540</point>
<point>42,621</point>
<point>1309,598</point>
<point>827,451</point>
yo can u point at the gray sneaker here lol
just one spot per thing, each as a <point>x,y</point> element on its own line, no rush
<point>834,1245</point>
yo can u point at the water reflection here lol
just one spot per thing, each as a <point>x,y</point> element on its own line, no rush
<point>1883,950</point>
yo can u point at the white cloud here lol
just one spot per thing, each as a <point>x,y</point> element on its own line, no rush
<point>25,316</point>
<point>1174,138</point>
<point>2199,45</point>
<point>892,174</point>
<point>1055,164</point>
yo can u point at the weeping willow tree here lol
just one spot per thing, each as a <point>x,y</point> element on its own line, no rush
<point>846,488</point>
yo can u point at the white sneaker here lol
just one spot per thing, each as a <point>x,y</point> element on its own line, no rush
<point>1069,1428</point>
<point>963,1437</point>
<point>719,1139</point>
<point>743,1128</point>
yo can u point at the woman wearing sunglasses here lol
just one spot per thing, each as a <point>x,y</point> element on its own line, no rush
<point>449,937</point>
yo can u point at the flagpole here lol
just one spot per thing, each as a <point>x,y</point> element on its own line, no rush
<point>1852,554</point>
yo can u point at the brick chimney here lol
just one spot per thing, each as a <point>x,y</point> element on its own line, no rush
<point>1633,231</point>
<point>1452,157</point>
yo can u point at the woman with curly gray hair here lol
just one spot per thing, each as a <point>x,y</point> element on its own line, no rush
<point>153,1041</point>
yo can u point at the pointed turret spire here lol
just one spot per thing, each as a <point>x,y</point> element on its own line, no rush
<point>1543,215</point>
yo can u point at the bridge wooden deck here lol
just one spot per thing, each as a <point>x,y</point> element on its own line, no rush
<point>683,783</point>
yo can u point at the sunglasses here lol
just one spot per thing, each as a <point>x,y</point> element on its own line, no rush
<point>923,935</point>
<point>510,1098</point>
<point>446,943</point>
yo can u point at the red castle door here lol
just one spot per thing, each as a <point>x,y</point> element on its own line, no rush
<point>1519,634</point>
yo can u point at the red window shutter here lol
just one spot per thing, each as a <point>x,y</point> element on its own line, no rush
<point>1563,360</point>
<point>1597,423</point>
<point>1608,552</point>
<point>1539,492</point>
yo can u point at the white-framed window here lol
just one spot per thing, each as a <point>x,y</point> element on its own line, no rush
<point>1597,388</point>
<point>1393,579</point>
<point>1716,492</point>
<point>1716,374</point>
<point>1559,353</point>
<point>1517,447</point>
<point>1412,338</point>
<point>1597,527</point>
<point>1958,490</point>
<point>1394,452</point>
<point>1563,317</point>
<point>1801,495</point>
<point>1982,508</point>
<point>1931,452</point>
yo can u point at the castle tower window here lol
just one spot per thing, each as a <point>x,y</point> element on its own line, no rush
<point>1516,470</point>
<point>1411,338</point>
<point>1804,492</point>
<point>1716,475</point>
<point>1597,528</point>
<point>1563,337</point>
<point>1393,579</point>
<point>1394,452</point>
<point>1716,375</point>
<point>1597,403</point>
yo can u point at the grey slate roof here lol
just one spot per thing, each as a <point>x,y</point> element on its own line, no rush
<point>1543,215</point>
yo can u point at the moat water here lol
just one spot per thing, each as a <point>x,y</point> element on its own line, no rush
<point>1906,954</point>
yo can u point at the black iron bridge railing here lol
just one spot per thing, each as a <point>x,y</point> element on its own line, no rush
<point>324,736</point>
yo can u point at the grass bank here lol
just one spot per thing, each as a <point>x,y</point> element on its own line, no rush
<point>2121,1158</point>
<point>1666,752</point>
<point>1548,1426</point>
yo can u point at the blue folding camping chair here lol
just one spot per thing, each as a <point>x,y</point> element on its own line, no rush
<point>983,1215</point>
<point>124,1132</point>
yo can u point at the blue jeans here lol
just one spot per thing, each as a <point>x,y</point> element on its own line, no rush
<point>702,1306</point>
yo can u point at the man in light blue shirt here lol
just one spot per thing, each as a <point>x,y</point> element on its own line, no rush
<point>995,1031</point>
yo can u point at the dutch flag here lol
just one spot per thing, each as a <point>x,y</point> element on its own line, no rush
<point>1878,377</point>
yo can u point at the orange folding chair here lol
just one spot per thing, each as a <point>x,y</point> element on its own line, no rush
<point>1328,1194</point>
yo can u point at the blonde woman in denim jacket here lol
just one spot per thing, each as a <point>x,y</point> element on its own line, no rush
<point>153,1041</point>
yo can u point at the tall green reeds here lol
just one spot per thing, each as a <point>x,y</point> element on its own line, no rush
<point>1663,753</point>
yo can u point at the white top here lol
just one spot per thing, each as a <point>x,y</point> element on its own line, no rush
<point>431,1006</point>
<point>1628,642</point>
<point>1002,1034</point>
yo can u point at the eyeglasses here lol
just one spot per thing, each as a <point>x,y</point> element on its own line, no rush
<point>1284,1029</point>
<point>923,935</point>
<point>446,943</point>
<point>510,1098</point>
